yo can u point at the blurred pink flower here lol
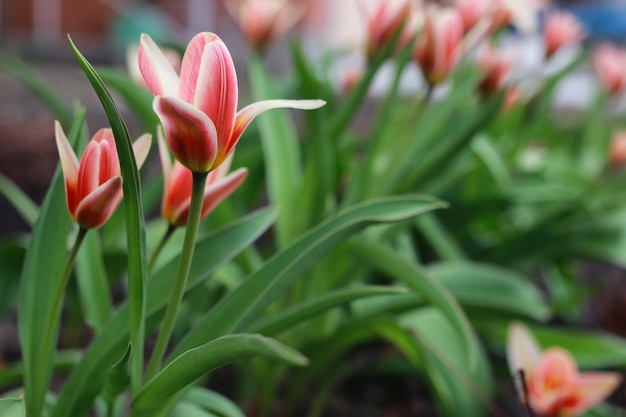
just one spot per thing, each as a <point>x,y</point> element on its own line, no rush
<point>93,186</point>
<point>198,109</point>
<point>388,17</point>
<point>439,46</point>
<point>472,11</point>
<point>617,151</point>
<point>609,62</point>
<point>495,67</point>
<point>177,184</point>
<point>555,386</point>
<point>561,29</point>
<point>262,21</point>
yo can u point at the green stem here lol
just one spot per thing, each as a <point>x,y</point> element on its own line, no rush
<point>166,237</point>
<point>53,318</point>
<point>195,210</point>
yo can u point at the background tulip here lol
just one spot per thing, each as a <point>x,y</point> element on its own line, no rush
<point>178,183</point>
<point>561,29</point>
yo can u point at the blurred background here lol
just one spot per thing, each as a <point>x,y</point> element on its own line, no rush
<point>35,31</point>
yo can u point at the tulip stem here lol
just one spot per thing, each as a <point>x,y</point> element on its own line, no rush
<point>55,313</point>
<point>195,210</point>
<point>155,254</point>
<point>526,398</point>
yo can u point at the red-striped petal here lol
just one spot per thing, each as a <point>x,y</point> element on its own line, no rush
<point>96,208</point>
<point>155,68</point>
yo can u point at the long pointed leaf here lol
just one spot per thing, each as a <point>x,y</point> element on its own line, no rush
<point>135,221</point>
<point>25,207</point>
<point>213,251</point>
<point>384,259</point>
<point>191,365</point>
<point>239,309</point>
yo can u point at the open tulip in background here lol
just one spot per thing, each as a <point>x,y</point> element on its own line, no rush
<point>429,235</point>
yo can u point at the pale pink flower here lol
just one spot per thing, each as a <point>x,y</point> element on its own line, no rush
<point>198,109</point>
<point>561,29</point>
<point>495,66</point>
<point>385,20</point>
<point>93,186</point>
<point>439,46</point>
<point>262,21</point>
<point>177,184</point>
<point>555,386</point>
<point>609,62</point>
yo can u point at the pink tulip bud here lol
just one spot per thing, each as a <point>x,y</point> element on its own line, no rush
<point>178,181</point>
<point>472,11</point>
<point>609,62</point>
<point>555,386</point>
<point>93,186</point>
<point>561,29</point>
<point>262,21</point>
<point>617,151</point>
<point>495,68</point>
<point>512,98</point>
<point>438,49</point>
<point>198,109</point>
<point>389,17</point>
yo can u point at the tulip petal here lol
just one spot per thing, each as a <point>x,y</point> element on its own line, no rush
<point>69,166</point>
<point>593,387</point>
<point>522,349</point>
<point>246,115</point>
<point>216,91</point>
<point>191,65</point>
<point>217,191</point>
<point>141,148</point>
<point>96,208</point>
<point>190,134</point>
<point>214,193</point>
<point>155,68</point>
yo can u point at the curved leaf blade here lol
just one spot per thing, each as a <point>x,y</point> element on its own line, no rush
<point>214,250</point>
<point>191,365</point>
<point>135,221</point>
<point>237,311</point>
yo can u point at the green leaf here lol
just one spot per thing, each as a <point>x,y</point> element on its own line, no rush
<point>41,275</point>
<point>458,390</point>
<point>12,253</point>
<point>386,260</point>
<point>185,409</point>
<point>118,377</point>
<point>212,251</point>
<point>135,222</point>
<point>25,207</point>
<point>12,407</point>
<point>93,284</point>
<point>213,402</point>
<point>281,152</point>
<point>492,288</point>
<point>13,373</point>
<point>239,309</point>
<point>194,363</point>
<point>38,86</point>
<point>311,308</point>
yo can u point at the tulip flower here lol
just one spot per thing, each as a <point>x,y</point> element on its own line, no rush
<point>617,151</point>
<point>93,186</point>
<point>609,62</point>
<point>178,183</point>
<point>439,47</point>
<point>472,11</point>
<point>495,67</point>
<point>198,110</point>
<point>561,29</point>
<point>262,21</point>
<point>132,63</point>
<point>389,17</point>
<point>554,386</point>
